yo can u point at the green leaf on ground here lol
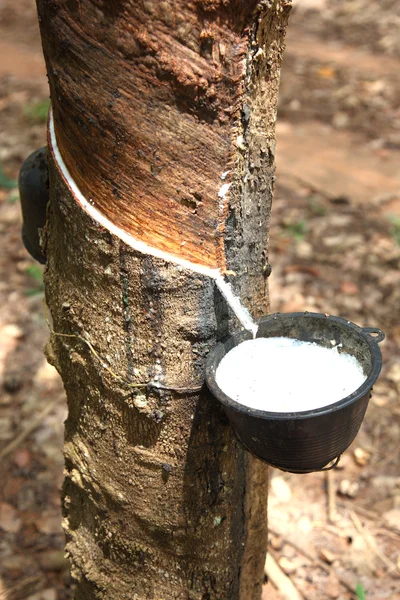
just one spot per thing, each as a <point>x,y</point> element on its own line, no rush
<point>37,111</point>
<point>36,273</point>
<point>316,207</point>
<point>297,230</point>
<point>360,592</point>
<point>394,228</point>
<point>5,182</point>
<point>13,198</point>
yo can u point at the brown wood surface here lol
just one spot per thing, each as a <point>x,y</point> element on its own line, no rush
<point>146,98</point>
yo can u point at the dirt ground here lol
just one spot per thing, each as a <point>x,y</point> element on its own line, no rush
<point>335,248</point>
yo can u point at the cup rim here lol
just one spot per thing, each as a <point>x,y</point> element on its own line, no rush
<point>245,335</point>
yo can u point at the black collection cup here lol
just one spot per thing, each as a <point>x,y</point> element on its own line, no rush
<point>305,441</point>
<point>33,183</point>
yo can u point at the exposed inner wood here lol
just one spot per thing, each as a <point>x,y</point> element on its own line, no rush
<point>145,96</point>
<point>105,222</point>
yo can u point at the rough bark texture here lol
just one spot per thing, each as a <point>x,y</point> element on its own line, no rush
<point>160,501</point>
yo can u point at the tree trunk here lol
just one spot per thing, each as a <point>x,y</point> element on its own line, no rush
<point>153,103</point>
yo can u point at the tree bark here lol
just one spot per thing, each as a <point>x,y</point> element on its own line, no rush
<point>153,102</point>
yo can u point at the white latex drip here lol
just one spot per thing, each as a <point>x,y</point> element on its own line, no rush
<point>287,375</point>
<point>236,305</point>
<point>225,288</point>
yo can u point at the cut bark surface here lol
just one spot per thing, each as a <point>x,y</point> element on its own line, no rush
<point>149,101</point>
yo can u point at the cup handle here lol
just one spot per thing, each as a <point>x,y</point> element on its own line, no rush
<point>376,334</point>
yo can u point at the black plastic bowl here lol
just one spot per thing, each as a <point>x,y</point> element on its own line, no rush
<point>306,441</point>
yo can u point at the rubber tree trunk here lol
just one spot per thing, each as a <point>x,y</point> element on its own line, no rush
<point>161,172</point>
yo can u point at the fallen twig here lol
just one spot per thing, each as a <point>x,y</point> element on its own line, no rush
<point>388,457</point>
<point>370,541</point>
<point>313,558</point>
<point>5,595</point>
<point>336,529</point>
<point>281,581</point>
<point>394,535</point>
<point>371,515</point>
<point>31,426</point>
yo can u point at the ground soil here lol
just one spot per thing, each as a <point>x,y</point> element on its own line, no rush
<point>335,248</point>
